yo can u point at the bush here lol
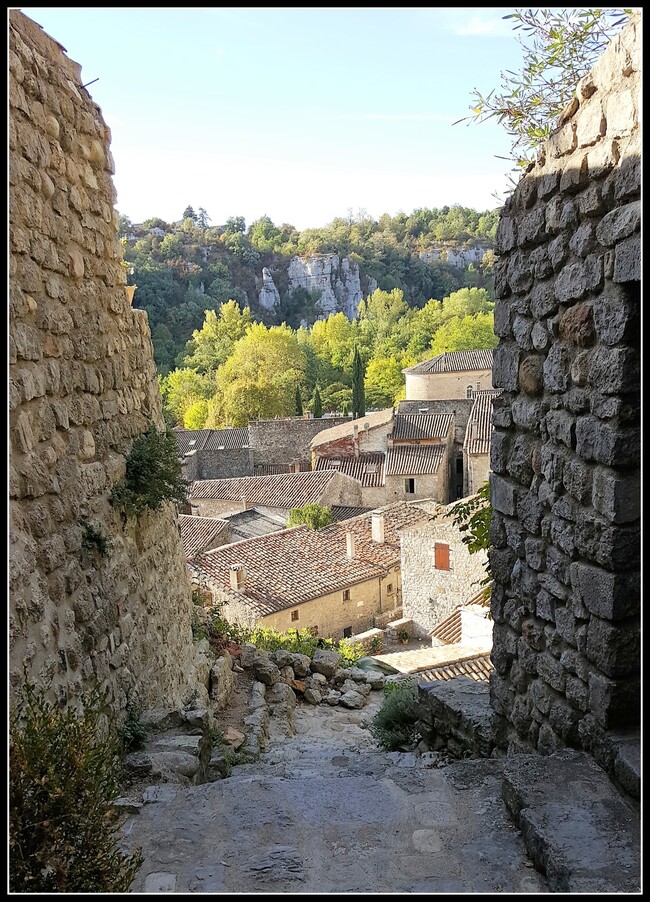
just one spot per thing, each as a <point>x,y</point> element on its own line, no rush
<point>394,726</point>
<point>63,776</point>
<point>133,731</point>
<point>153,475</point>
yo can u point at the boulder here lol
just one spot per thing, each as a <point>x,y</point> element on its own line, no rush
<point>264,669</point>
<point>352,699</point>
<point>300,664</point>
<point>332,698</point>
<point>313,696</point>
<point>325,662</point>
<point>247,655</point>
<point>281,657</point>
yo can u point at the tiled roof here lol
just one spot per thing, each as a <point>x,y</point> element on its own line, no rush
<point>478,668</point>
<point>274,469</point>
<point>367,468</point>
<point>210,440</point>
<point>414,460</point>
<point>421,426</point>
<point>346,513</point>
<point>249,523</point>
<point>479,425</point>
<point>450,630</point>
<point>201,533</point>
<point>453,362</point>
<point>375,419</point>
<point>387,553</point>
<point>284,569</point>
<point>284,490</point>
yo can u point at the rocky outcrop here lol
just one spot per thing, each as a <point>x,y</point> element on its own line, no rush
<point>269,296</point>
<point>336,279</point>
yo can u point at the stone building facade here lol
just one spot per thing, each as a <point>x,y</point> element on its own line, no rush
<point>82,385</point>
<point>565,450</point>
<point>283,441</point>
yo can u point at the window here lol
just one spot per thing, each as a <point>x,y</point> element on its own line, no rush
<point>346,594</point>
<point>441,552</point>
<point>347,632</point>
<point>459,464</point>
<point>295,615</point>
<point>389,588</point>
<point>469,391</point>
<point>409,486</point>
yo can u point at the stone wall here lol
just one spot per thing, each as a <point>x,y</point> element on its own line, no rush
<point>445,386</point>
<point>280,442</point>
<point>82,385</point>
<point>565,451</point>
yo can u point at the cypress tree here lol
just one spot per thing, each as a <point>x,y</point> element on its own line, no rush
<point>318,404</point>
<point>298,402</point>
<point>358,391</point>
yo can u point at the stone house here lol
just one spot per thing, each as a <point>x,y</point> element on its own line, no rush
<point>418,458</point>
<point>450,375</point>
<point>368,469</point>
<point>214,453</point>
<point>476,447</point>
<point>275,494</point>
<point>200,534</point>
<point>335,581</point>
<point>438,572</point>
<point>367,434</point>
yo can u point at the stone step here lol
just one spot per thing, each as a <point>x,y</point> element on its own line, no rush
<point>580,831</point>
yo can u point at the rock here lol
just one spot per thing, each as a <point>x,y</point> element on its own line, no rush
<point>234,738</point>
<point>300,664</point>
<point>316,681</point>
<point>269,296</point>
<point>298,685</point>
<point>337,280</point>
<point>157,720</point>
<point>313,696</point>
<point>332,697</point>
<point>198,719</point>
<point>247,655</point>
<point>375,680</point>
<point>264,669</point>
<point>325,662</point>
<point>137,765</point>
<point>287,673</point>
<point>281,657</point>
<point>352,699</point>
<point>126,805</point>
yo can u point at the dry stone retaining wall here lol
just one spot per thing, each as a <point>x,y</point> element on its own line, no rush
<point>565,451</point>
<point>82,385</point>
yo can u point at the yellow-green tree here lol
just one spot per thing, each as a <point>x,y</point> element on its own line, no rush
<point>211,345</point>
<point>465,333</point>
<point>181,389</point>
<point>259,378</point>
<point>385,380</point>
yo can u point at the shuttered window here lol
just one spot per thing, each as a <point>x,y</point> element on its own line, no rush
<point>441,556</point>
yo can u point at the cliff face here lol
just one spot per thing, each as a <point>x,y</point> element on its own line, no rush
<point>82,385</point>
<point>337,280</point>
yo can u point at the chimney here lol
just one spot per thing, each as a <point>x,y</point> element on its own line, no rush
<point>377,521</point>
<point>244,503</point>
<point>355,439</point>
<point>349,545</point>
<point>237,577</point>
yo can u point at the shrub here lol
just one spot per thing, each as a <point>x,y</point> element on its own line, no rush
<point>63,776</point>
<point>153,475</point>
<point>394,726</point>
<point>93,539</point>
<point>133,731</point>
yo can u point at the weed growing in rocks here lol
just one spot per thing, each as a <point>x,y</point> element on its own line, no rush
<point>394,726</point>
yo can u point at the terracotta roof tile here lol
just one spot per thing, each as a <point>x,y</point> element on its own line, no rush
<point>367,468</point>
<point>346,513</point>
<point>478,668</point>
<point>210,440</point>
<point>201,533</point>
<point>283,490</point>
<point>453,362</point>
<point>479,425</point>
<point>422,426</point>
<point>414,460</point>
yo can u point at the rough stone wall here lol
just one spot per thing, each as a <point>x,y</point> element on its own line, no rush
<point>82,385</point>
<point>476,472</point>
<point>566,443</point>
<point>223,464</point>
<point>429,596</point>
<point>281,441</point>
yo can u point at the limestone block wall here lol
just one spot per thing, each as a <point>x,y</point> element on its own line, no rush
<point>565,451</point>
<point>82,385</point>
<point>445,386</point>
<point>429,595</point>
<point>281,441</point>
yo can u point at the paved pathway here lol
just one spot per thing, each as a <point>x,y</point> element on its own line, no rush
<point>326,811</point>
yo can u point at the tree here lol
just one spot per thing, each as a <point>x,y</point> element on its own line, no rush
<point>212,344</point>
<point>384,380</point>
<point>298,402</point>
<point>188,213</point>
<point>196,414</point>
<point>316,516</point>
<point>465,333</point>
<point>358,391</point>
<point>183,388</point>
<point>560,47</point>
<point>317,404</point>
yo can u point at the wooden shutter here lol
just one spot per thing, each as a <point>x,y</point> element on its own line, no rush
<point>442,556</point>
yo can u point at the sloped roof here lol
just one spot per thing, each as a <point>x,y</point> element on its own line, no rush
<point>283,569</point>
<point>414,460</point>
<point>422,426</point>
<point>479,426</point>
<point>453,362</point>
<point>346,513</point>
<point>249,523</point>
<point>374,420</point>
<point>367,468</point>
<point>478,668</point>
<point>201,533</point>
<point>283,490</point>
<point>188,440</point>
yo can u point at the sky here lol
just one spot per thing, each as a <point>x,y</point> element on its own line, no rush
<point>301,114</point>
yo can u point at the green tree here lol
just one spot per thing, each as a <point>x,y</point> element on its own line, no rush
<point>317,404</point>
<point>188,213</point>
<point>316,516</point>
<point>465,333</point>
<point>181,389</point>
<point>196,414</point>
<point>212,344</point>
<point>358,391</point>
<point>560,47</point>
<point>299,410</point>
<point>385,380</point>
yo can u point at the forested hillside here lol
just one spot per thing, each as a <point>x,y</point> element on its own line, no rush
<point>224,357</point>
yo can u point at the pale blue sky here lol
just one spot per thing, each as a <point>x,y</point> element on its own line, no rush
<point>298,114</point>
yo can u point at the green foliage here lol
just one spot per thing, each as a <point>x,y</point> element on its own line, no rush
<point>465,333</point>
<point>64,774</point>
<point>560,47</point>
<point>316,516</point>
<point>358,390</point>
<point>94,540</point>
<point>299,410</point>
<point>395,725</point>
<point>133,731</point>
<point>153,475</point>
<point>317,404</point>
